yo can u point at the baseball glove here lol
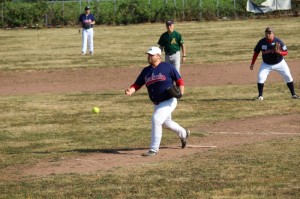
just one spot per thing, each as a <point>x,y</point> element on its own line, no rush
<point>86,25</point>
<point>174,91</point>
<point>277,48</point>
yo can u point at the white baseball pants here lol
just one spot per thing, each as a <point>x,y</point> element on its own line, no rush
<point>174,60</point>
<point>281,68</point>
<point>87,40</point>
<point>162,118</point>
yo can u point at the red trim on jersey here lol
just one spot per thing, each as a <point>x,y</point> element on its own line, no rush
<point>135,86</point>
<point>255,55</point>
<point>284,53</point>
<point>180,82</point>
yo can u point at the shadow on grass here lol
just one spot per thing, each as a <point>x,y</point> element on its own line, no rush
<point>228,99</point>
<point>107,151</point>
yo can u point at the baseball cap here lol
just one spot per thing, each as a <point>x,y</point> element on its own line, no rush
<point>154,50</point>
<point>169,22</point>
<point>87,8</point>
<point>269,29</point>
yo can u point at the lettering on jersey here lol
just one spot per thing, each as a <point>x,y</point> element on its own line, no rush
<point>264,47</point>
<point>173,41</point>
<point>267,51</point>
<point>154,78</point>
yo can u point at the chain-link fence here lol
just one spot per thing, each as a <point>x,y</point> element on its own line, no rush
<point>32,13</point>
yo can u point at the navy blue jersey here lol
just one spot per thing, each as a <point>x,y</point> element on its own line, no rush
<point>157,80</point>
<point>83,18</point>
<point>268,54</point>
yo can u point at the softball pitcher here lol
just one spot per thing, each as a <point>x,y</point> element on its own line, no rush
<point>273,50</point>
<point>158,77</point>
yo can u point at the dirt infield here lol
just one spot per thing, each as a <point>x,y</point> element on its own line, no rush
<point>220,135</point>
<point>93,80</point>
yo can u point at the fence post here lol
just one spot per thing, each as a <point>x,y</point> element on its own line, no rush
<point>2,15</point>
<point>218,9</point>
<point>115,7</point>
<point>200,10</point>
<point>183,4</point>
<point>79,6</point>
<point>63,11</point>
<point>234,8</point>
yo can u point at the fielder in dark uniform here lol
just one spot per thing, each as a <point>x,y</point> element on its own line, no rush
<point>171,42</point>
<point>87,21</point>
<point>272,60</point>
<point>157,77</point>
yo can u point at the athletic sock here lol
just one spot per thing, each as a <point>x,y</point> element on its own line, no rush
<point>291,87</point>
<point>260,88</point>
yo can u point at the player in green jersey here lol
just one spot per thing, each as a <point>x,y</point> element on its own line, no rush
<point>171,42</point>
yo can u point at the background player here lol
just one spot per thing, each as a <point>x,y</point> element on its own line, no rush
<point>272,60</point>
<point>157,77</point>
<point>171,42</point>
<point>87,21</point>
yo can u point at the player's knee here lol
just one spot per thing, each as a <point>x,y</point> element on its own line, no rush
<point>156,121</point>
<point>288,79</point>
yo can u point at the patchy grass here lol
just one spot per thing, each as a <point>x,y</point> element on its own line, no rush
<point>124,46</point>
<point>40,127</point>
<point>36,128</point>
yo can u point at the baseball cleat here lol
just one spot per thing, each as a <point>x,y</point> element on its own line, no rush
<point>183,140</point>
<point>149,153</point>
<point>91,53</point>
<point>260,98</point>
<point>82,53</point>
<point>295,97</point>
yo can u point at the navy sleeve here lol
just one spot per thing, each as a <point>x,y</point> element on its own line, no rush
<point>141,78</point>
<point>92,17</point>
<point>257,48</point>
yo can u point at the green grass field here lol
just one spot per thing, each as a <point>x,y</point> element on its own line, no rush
<point>124,46</point>
<point>48,127</point>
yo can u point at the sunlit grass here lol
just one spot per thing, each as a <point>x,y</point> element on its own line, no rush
<point>48,127</point>
<point>65,122</point>
<point>124,46</point>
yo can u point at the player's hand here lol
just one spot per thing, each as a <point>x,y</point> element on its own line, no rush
<point>129,91</point>
<point>251,66</point>
<point>183,59</point>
